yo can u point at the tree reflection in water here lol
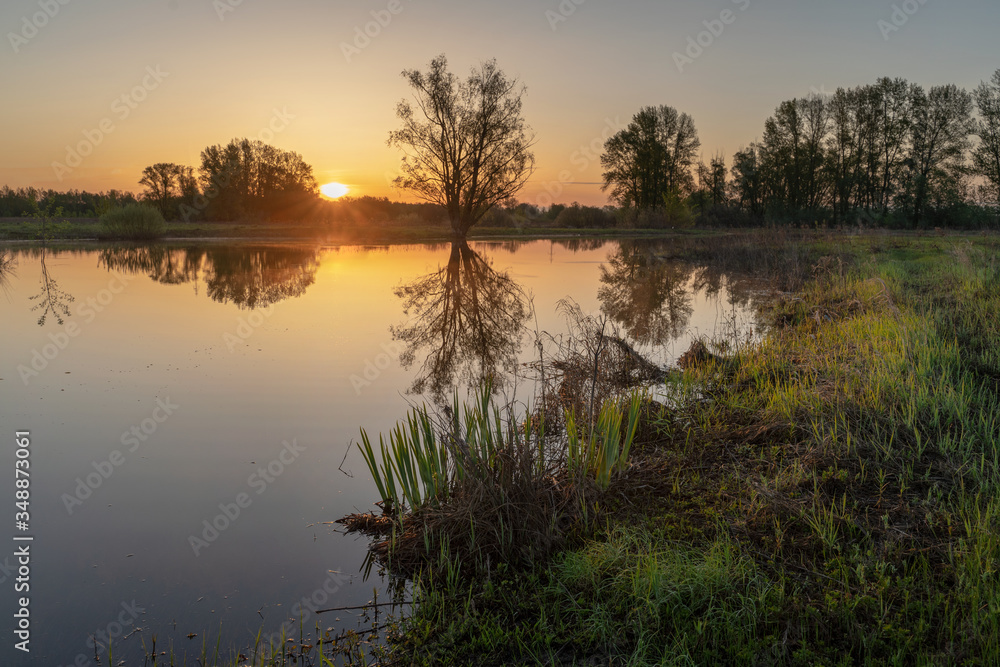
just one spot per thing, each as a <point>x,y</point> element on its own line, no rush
<point>467,322</point>
<point>649,298</point>
<point>8,260</point>
<point>51,299</point>
<point>250,277</point>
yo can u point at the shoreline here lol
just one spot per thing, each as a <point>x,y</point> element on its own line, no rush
<point>825,495</point>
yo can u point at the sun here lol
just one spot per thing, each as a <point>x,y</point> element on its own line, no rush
<point>334,190</point>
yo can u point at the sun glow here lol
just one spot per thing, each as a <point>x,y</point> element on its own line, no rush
<point>334,190</point>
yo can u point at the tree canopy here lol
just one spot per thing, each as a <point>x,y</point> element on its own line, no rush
<point>250,178</point>
<point>650,162</point>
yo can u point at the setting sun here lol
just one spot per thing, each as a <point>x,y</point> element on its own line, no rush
<point>334,190</point>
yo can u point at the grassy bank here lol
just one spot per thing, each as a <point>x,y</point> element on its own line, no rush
<point>828,497</point>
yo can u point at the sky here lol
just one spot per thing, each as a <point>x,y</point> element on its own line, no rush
<point>95,90</point>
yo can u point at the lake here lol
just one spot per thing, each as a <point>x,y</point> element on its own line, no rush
<point>191,408</point>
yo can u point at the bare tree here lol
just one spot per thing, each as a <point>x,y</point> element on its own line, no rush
<point>466,146</point>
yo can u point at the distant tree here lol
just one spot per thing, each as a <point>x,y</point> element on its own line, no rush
<point>466,145</point>
<point>894,122</point>
<point>748,180</point>
<point>843,151</point>
<point>585,217</point>
<point>187,186</point>
<point>939,146</point>
<point>554,211</point>
<point>248,178</point>
<point>816,118</point>
<point>712,185</point>
<point>792,154</point>
<point>987,155</point>
<point>161,183</point>
<point>648,165</point>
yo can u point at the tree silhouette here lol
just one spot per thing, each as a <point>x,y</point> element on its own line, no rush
<point>941,128</point>
<point>987,155</point>
<point>248,177</point>
<point>650,161</point>
<point>466,146</point>
<point>161,182</point>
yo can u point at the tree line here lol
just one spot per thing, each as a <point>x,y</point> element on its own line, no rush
<point>889,153</point>
<point>245,179</point>
<point>29,201</point>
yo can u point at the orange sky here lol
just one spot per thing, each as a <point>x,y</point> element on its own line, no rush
<point>195,73</point>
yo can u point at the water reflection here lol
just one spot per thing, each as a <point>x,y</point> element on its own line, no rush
<point>51,299</point>
<point>466,320</point>
<point>648,297</point>
<point>249,277</point>
<point>8,260</point>
<point>467,323</point>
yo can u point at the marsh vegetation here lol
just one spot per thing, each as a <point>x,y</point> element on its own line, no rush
<point>825,496</point>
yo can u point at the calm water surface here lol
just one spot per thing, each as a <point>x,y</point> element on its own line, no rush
<point>190,408</point>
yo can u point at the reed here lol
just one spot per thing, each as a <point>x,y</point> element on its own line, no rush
<point>605,448</point>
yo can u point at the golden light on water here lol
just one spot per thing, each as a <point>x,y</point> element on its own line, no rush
<point>334,190</point>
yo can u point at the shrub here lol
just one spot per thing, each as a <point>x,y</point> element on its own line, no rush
<point>585,217</point>
<point>674,214</point>
<point>133,221</point>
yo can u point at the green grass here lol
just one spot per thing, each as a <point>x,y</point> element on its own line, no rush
<point>828,497</point>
